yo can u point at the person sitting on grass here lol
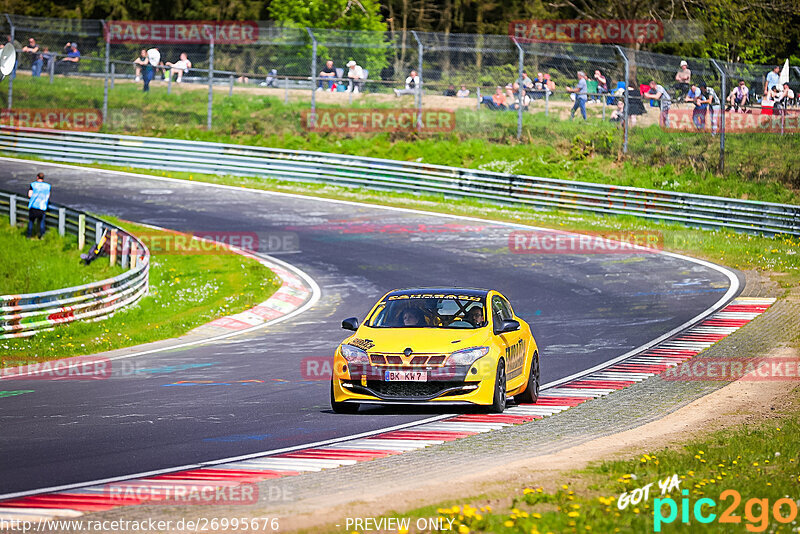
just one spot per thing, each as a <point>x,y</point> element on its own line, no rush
<point>738,97</point>
<point>70,63</point>
<point>412,85</point>
<point>497,101</point>
<point>138,64</point>
<point>327,75</point>
<point>463,92</point>
<point>450,91</point>
<point>180,67</point>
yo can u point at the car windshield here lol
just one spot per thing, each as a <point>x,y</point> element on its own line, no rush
<point>429,311</point>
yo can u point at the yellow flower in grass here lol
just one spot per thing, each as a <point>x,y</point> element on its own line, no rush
<point>536,515</point>
<point>463,529</point>
<point>508,523</point>
<point>573,514</point>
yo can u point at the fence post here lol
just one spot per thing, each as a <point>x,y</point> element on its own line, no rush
<point>169,82</point>
<point>126,251</point>
<point>313,121</point>
<point>546,101</point>
<point>112,248</point>
<point>210,82</point>
<point>418,96</point>
<point>98,231</point>
<point>81,231</point>
<point>52,69</point>
<point>627,92</point>
<point>521,89</point>
<point>134,254</point>
<point>12,210</point>
<point>230,84</point>
<point>107,36</point>
<point>14,72</point>
<point>62,221</point>
<point>723,96</point>
<point>478,93</point>
<point>286,90</point>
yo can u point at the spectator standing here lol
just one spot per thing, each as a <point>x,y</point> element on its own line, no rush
<point>180,67</point>
<point>39,198</point>
<point>149,69</point>
<point>412,85</point>
<point>699,111</point>
<point>356,76</point>
<point>463,92</point>
<point>327,76</point>
<point>581,93</point>
<point>683,79</point>
<point>657,92</point>
<point>47,57</point>
<point>738,97</point>
<point>710,99</point>
<point>450,91</point>
<point>32,49</point>
<point>773,79</point>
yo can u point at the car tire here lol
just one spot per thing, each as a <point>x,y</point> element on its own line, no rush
<point>342,407</point>
<point>499,400</point>
<point>531,393</point>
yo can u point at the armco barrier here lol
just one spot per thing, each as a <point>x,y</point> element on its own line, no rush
<point>25,315</point>
<point>217,158</point>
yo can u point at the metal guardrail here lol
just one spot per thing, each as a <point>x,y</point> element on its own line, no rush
<point>353,171</point>
<point>25,315</point>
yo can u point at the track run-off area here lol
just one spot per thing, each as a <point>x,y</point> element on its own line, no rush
<point>251,393</point>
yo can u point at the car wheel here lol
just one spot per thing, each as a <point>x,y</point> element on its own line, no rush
<point>342,407</point>
<point>531,393</point>
<point>499,401</point>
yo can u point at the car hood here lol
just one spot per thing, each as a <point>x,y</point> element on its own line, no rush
<point>420,340</point>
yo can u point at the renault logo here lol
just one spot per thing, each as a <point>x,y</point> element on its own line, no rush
<point>408,351</point>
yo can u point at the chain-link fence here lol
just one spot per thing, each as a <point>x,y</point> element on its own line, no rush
<point>261,79</point>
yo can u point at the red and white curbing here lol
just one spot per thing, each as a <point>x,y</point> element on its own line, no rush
<point>553,400</point>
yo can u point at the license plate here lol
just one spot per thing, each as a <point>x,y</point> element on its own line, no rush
<point>405,376</point>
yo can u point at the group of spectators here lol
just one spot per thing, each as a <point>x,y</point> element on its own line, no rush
<point>149,63</point>
<point>40,58</point>
<point>355,78</point>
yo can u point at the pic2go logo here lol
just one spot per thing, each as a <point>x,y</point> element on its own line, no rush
<point>756,511</point>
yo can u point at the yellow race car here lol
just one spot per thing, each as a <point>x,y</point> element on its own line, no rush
<point>443,346</point>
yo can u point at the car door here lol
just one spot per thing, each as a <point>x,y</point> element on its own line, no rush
<point>512,342</point>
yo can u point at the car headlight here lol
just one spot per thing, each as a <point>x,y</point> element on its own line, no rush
<point>354,354</point>
<point>467,356</point>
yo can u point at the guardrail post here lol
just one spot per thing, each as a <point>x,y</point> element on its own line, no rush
<point>62,221</point>
<point>113,74</point>
<point>546,101</point>
<point>81,231</point>
<point>112,248</point>
<point>722,97</point>
<point>521,89</point>
<point>230,84</point>
<point>52,69</point>
<point>14,72</point>
<point>478,94</point>
<point>134,254</point>
<point>313,122</point>
<point>106,70</point>
<point>210,82</point>
<point>169,82</point>
<point>12,210</point>
<point>627,92</point>
<point>98,231</point>
<point>418,96</point>
<point>285,89</point>
<point>126,251</point>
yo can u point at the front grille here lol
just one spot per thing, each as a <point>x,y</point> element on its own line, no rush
<point>416,359</point>
<point>411,389</point>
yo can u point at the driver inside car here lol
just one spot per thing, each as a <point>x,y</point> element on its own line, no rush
<point>413,317</point>
<point>475,316</point>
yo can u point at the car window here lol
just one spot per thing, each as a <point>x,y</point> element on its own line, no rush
<point>501,310</point>
<point>429,311</point>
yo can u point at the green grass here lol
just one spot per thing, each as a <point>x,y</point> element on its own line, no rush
<point>186,291</point>
<point>759,461</point>
<point>37,265</point>
<point>758,166</point>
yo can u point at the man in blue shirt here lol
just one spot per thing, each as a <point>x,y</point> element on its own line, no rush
<point>581,94</point>
<point>39,195</point>
<point>773,79</point>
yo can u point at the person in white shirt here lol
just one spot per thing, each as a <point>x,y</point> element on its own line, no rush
<point>412,85</point>
<point>180,67</point>
<point>356,75</point>
<point>738,99</point>
<point>463,92</point>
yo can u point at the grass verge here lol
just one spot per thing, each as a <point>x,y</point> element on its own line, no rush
<point>552,147</point>
<point>186,291</point>
<point>759,462</point>
<point>38,265</point>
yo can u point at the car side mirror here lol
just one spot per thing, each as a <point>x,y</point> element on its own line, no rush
<point>506,326</point>
<point>351,323</point>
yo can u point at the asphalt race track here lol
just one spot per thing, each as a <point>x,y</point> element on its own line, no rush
<point>584,310</point>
